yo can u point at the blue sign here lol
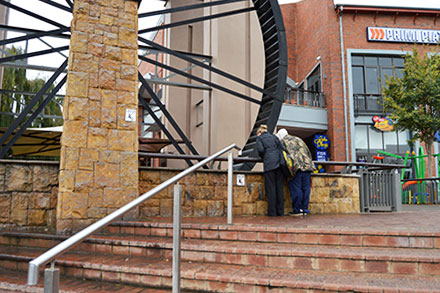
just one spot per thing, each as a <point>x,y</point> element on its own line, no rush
<point>321,156</point>
<point>321,142</point>
<point>437,136</point>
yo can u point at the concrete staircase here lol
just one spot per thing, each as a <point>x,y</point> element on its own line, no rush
<point>136,257</point>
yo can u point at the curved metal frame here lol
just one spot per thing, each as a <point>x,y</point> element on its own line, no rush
<point>275,51</point>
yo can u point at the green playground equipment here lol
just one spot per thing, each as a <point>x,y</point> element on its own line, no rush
<point>419,169</point>
<point>437,157</point>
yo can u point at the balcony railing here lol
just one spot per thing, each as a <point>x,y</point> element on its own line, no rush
<point>368,103</point>
<point>304,98</point>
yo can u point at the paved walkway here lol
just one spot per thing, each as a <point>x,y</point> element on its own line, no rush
<point>413,218</point>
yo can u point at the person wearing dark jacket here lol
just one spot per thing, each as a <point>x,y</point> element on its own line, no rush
<point>269,148</point>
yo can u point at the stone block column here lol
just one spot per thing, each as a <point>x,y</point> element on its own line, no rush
<point>99,145</point>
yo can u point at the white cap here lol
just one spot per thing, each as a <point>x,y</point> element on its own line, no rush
<point>281,133</point>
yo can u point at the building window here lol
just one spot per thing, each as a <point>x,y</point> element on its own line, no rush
<point>368,140</point>
<point>368,75</point>
<point>314,80</point>
<point>199,113</point>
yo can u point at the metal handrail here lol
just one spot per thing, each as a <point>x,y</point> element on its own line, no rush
<point>377,166</point>
<point>78,237</point>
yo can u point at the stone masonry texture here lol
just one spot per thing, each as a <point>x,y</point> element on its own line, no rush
<point>98,167</point>
<point>28,195</point>
<point>205,194</point>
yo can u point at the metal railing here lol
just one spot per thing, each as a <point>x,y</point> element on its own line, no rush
<point>13,102</point>
<point>379,184</point>
<point>304,98</point>
<point>52,275</point>
<point>379,190</point>
<point>421,191</point>
<point>368,103</point>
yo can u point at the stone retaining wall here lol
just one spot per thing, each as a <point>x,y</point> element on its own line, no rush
<point>205,194</point>
<point>28,194</point>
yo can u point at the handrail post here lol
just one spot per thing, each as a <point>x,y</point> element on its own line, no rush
<point>52,279</point>
<point>177,218</point>
<point>230,178</point>
<point>397,188</point>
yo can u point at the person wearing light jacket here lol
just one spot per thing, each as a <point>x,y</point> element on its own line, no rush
<point>303,166</point>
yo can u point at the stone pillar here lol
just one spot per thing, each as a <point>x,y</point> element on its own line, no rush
<point>99,164</point>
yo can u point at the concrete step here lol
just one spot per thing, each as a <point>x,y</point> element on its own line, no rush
<point>17,282</point>
<point>214,277</point>
<point>308,257</point>
<point>345,237</point>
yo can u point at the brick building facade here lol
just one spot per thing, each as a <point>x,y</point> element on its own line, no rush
<point>322,32</point>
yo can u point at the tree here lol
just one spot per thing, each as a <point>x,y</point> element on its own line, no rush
<point>414,98</point>
<point>14,79</point>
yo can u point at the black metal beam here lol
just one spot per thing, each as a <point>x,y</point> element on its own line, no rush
<point>2,91</point>
<point>206,66</point>
<point>29,107</point>
<point>28,31</point>
<point>181,52</point>
<point>197,19</point>
<point>57,5</point>
<point>201,80</point>
<point>33,54</point>
<point>34,115</point>
<point>163,128</point>
<point>187,7</point>
<point>34,36</point>
<point>28,66</point>
<point>37,16</point>
<point>167,114</point>
<point>69,3</point>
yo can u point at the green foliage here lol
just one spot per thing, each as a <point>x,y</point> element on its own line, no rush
<point>414,99</point>
<point>14,79</point>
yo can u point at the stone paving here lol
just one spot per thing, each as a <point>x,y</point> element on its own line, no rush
<point>412,218</point>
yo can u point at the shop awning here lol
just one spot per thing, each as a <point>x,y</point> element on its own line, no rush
<point>37,142</point>
<point>46,142</point>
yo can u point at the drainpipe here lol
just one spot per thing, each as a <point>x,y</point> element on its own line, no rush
<point>341,36</point>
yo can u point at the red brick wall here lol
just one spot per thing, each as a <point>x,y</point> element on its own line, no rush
<point>312,29</point>
<point>355,29</point>
<point>316,33</point>
<point>288,12</point>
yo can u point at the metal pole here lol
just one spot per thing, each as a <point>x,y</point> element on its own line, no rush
<point>51,280</point>
<point>397,191</point>
<point>230,197</point>
<point>177,218</point>
<point>344,86</point>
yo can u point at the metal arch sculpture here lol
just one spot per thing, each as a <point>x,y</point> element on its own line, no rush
<point>275,51</point>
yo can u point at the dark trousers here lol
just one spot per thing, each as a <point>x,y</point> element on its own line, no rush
<point>274,186</point>
<point>300,191</point>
